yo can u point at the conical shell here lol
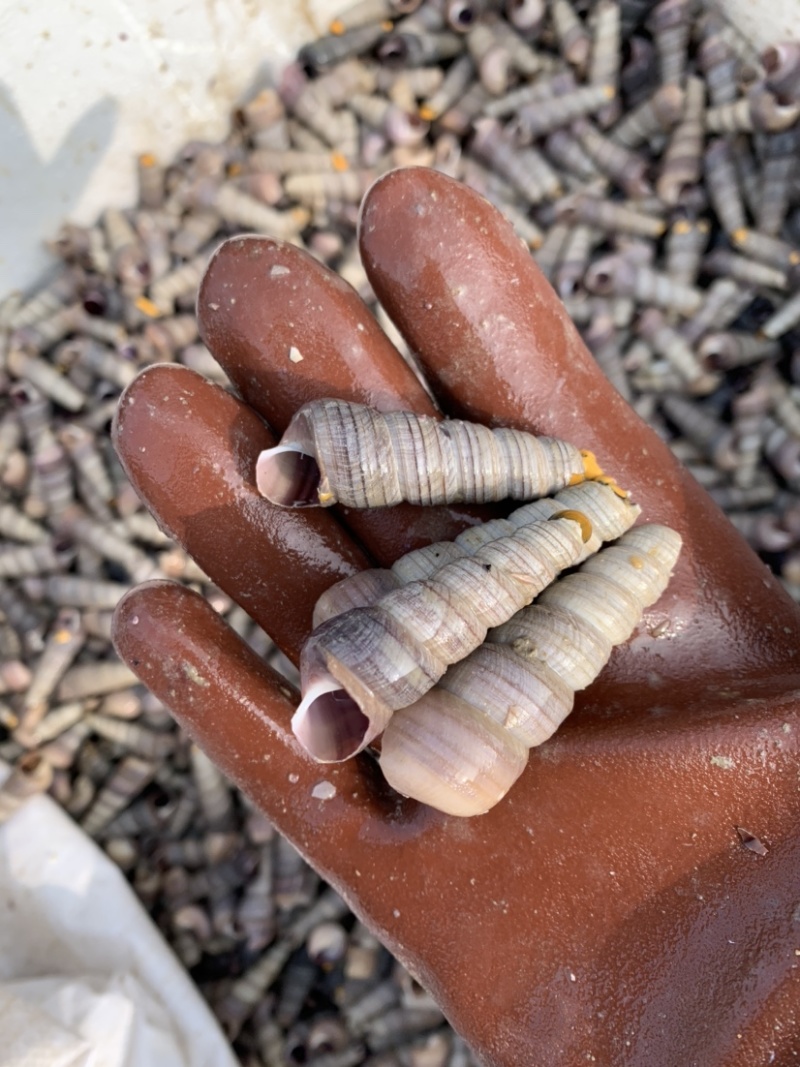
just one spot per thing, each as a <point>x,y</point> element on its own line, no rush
<point>524,682</point>
<point>358,667</point>
<point>336,452</point>
<point>462,767</point>
<point>388,655</point>
<point>609,513</point>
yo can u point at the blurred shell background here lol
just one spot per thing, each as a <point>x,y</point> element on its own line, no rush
<point>86,86</point>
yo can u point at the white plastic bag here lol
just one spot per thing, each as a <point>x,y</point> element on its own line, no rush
<point>85,977</point>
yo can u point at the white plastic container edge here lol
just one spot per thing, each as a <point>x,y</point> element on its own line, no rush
<point>85,976</point>
<point>86,86</point>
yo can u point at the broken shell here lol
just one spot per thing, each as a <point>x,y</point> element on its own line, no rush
<point>335,452</point>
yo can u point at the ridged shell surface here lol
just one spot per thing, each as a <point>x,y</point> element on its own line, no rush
<point>361,665</point>
<point>337,452</point>
<point>523,679</point>
<point>609,514</point>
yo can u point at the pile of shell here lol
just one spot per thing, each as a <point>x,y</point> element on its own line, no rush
<point>465,654</point>
<point>646,155</point>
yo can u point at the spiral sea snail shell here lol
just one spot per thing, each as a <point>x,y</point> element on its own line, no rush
<point>462,746</point>
<point>377,661</point>
<point>401,456</point>
<point>360,666</point>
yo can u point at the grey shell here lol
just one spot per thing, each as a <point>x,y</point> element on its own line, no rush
<point>336,452</point>
<point>400,630</point>
<point>361,666</point>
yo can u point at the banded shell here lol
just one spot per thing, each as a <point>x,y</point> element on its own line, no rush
<point>432,609</point>
<point>336,452</point>
<point>462,746</point>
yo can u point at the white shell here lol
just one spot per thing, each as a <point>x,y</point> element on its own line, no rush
<point>524,687</point>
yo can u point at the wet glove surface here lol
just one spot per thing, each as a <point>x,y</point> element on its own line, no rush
<point>608,910</point>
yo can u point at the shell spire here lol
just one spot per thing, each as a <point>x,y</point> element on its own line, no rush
<point>338,452</point>
<point>610,514</point>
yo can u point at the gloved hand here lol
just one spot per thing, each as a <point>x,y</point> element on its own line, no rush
<point>607,910</point>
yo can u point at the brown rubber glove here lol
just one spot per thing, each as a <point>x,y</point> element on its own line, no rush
<point>607,910</point>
